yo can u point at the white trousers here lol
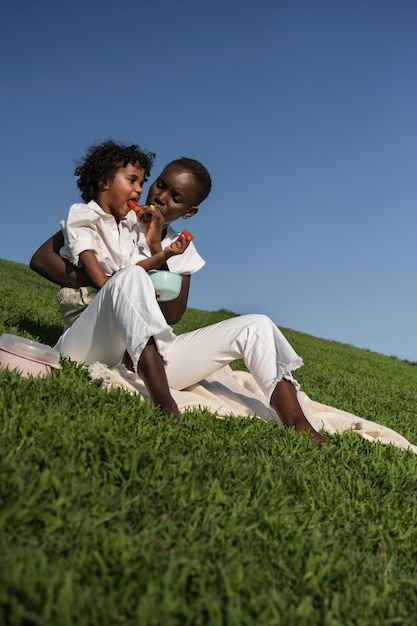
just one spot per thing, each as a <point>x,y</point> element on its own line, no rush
<point>125,315</point>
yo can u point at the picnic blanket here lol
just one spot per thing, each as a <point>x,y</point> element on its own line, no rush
<point>235,393</point>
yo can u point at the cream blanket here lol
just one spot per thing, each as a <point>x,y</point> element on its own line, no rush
<point>228,393</point>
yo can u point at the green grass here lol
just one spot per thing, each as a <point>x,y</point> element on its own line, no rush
<point>111,514</point>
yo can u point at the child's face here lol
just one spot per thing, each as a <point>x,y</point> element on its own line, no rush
<point>126,185</point>
<point>175,192</point>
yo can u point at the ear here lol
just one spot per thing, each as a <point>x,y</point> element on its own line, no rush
<point>103,185</point>
<point>190,212</point>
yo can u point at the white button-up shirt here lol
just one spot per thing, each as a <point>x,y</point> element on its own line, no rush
<point>88,227</point>
<point>116,246</point>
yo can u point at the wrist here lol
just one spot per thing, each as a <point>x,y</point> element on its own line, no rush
<point>155,250</point>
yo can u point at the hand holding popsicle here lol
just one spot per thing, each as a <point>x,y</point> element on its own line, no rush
<point>133,205</point>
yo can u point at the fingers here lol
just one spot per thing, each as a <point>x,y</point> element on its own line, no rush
<point>150,213</point>
<point>179,246</point>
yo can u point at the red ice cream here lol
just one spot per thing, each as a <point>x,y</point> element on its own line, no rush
<point>188,236</point>
<point>133,205</point>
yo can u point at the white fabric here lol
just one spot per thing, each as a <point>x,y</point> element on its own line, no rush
<point>72,302</point>
<point>116,246</point>
<point>88,227</point>
<point>125,314</point>
<point>231,393</point>
<point>188,262</point>
<point>193,356</point>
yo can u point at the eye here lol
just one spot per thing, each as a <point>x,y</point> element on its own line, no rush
<point>177,199</point>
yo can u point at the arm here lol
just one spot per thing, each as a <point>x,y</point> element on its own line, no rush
<point>93,268</point>
<point>172,310</point>
<point>159,258</point>
<point>47,262</point>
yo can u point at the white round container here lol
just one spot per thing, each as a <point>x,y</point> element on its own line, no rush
<point>28,357</point>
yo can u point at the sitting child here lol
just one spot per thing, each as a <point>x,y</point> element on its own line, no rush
<point>101,236</point>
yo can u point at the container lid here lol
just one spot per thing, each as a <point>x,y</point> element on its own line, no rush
<point>30,349</point>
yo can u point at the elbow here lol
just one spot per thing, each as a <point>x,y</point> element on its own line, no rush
<point>173,319</point>
<point>34,264</point>
<point>172,315</point>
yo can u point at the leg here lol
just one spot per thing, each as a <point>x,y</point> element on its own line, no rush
<point>284,401</point>
<point>127,361</point>
<point>123,315</point>
<point>267,354</point>
<point>152,370</point>
<point>255,338</point>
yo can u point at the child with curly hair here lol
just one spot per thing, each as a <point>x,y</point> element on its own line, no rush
<point>101,236</point>
<point>125,315</point>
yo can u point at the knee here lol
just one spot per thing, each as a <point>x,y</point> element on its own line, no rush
<point>129,273</point>
<point>131,279</point>
<point>132,270</point>
<point>260,325</point>
<point>258,320</point>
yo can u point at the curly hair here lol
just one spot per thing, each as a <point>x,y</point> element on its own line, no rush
<point>199,171</point>
<point>101,162</point>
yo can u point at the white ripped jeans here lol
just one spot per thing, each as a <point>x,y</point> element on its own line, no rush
<point>125,315</point>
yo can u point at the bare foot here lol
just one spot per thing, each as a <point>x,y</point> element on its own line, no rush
<point>315,437</point>
<point>152,370</point>
<point>285,402</point>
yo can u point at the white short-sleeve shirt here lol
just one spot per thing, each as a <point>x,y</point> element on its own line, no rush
<point>88,227</point>
<point>116,246</point>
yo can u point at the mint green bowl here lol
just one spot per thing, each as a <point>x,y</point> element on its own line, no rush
<point>168,284</point>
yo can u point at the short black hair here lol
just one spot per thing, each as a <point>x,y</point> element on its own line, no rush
<point>199,171</point>
<point>101,162</point>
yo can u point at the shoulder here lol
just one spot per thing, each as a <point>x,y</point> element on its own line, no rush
<point>89,211</point>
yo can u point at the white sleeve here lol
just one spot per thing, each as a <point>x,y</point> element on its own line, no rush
<point>79,232</point>
<point>188,262</point>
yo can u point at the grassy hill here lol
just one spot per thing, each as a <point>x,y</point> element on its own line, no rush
<point>111,514</point>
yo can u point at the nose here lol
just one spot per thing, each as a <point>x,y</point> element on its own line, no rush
<point>160,197</point>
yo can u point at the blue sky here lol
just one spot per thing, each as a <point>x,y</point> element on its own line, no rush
<point>304,113</point>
